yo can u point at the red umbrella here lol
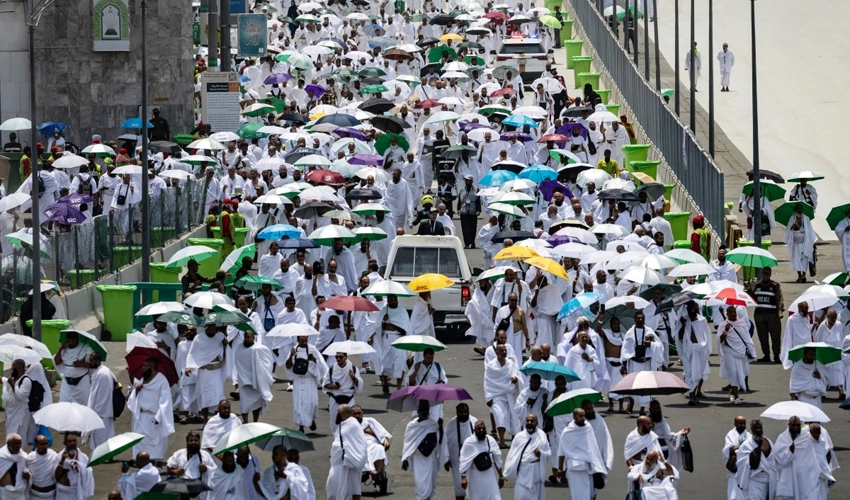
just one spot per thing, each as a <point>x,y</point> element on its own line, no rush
<point>350,303</point>
<point>430,103</point>
<point>502,92</point>
<point>553,137</point>
<point>136,363</point>
<point>495,14</point>
<point>650,383</point>
<point>325,177</point>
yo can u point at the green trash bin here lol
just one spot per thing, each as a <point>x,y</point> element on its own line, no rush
<point>240,233</point>
<point>604,94</point>
<point>649,168</point>
<point>566,31</point>
<point>209,266</point>
<point>50,329</point>
<point>573,50</point>
<point>635,152</point>
<point>591,77</point>
<point>117,309</point>
<point>679,224</point>
<point>79,279</point>
<point>682,244</point>
<point>668,191</point>
<point>581,64</point>
<point>159,274</point>
<point>121,256</point>
<point>159,235</point>
<point>614,108</point>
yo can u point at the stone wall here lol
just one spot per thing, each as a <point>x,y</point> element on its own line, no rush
<point>94,92</point>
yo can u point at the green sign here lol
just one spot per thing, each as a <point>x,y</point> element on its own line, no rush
<point>252,35</point>
<point>196,32</point>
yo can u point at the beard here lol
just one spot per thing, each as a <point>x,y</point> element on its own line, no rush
<point>590,416</point>
<point>580,424</point>
<point>531,429</point>
<point>463,419</point>
<point>193,450</point>
<point>655,416</point>
<point>794,433</point>
<point>147,373</point>
<point>481,437</point>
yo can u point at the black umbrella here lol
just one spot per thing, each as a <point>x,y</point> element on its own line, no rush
<point>567,223</point>
<point>675,300</point>
<point>363,194</point>
<point>668,289</point>
<point>436,65</point>
<point>566,172</point>
<point>427,42</point>
<point>310,210</point>
<point>618,195</point>
<point>340,120</point>
<point>501,236</point>
<point>376,106</point>
<point>768,174</point>
<point>297,242</point>
<point>165,147</point>
<point>654,190</point>
<point>509,166</point>
<point>455,152</point>
<point>372,80</point>
<point>293,117</point>
<point>180,486</point>
<point>390,124</point>
<point>300,153</point>
<point>470,45</point>
<point>442,20</point>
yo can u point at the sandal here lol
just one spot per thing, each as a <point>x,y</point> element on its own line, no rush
<point>503,446</point>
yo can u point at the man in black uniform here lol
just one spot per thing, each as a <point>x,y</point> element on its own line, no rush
<point>160,130</point>
<point>431,227</point>
<point>768,314</point>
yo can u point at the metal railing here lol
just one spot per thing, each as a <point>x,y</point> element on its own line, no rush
<point>688,165</point>
<point>76,255</point>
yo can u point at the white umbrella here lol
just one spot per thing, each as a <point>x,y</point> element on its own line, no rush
<point>357,16</point>
<point>268,164</point>
<point>658,262</point>
<point>550,85</point>
<point>695,269</point>
<point>161,308</point>
<point>629,300</point>
<point>331,232</point>
<point>366,208</point>
<point>207,144</point>
<point>180,175</point>
<point>272,199</point>
<point>615,229</point>
<point>442,116</point>
<point>784,410</point>
<point>70,160</point>
<point>625,260</point>
<point>128,170</point>
<point>311,160</point>
<point>494,272</point>
<point>596,176</point>
<point>272,129</point>
<point>68,417</point>
<point>115,446</point>
<point>26,342</point>
<point>194,252</point>
<point>816,300</point>
<point>98,149</point>
<point>388,287</point>
<point>14,200</point>
<point>244,435</point>
<point>379,174</point>
<point>504,208</point>
<point>136,339</point>
<point>207,300</point>
<point>535,112</point>
<point>583,235</point>
<point>11,352</point>
<point>350,347</point>
<point>603,117</point>
<point>574,250</point>
<point>516,184</point>
<point>612,246</point>
<point>641,276</point>
<point>455,66</point>
<point>685,255</point>
<point>292,330</point>
<point>224,137</point>
<point>13,124</point>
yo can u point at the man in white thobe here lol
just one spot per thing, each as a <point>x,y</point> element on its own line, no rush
<point>207,358</point>
<point>723,269</point>
<point>526,461</point>
<point>736,350</point>
<point>457,430</point>
<point>192,462</point>
<point>253,365</point>
<point>218,425</point>
<point>600,431</point>
<point>501,389</point>
<point>640,441</point>
<point>41,465</point>
<point>16,393</point>
<point>133,484</point>
<point>694,348</point>
<point>725,61</point>
<point>342,381</point>
<point>74,479</point>
<point>641,351</point>
<point>150,404</point>
<point>831,332</point>
<point>693,63</point>
<point>428,372</point>
<point>583,360</point>
<point>842,232</point>
<point>422,316</point>
<point>479,313</point>
<point>479,455</point>
<point>579,447</point>
<point>72,362</point>
<point>756,470</point>
<point>13,474</point>
<point>734,439</point>
<point>421,452</point>
<point>807,379</point>
<point>311,370</point>
<point>273,484</point>
<point>400,202</point>
<point>348,457</point>
<point>227,481</point>
<point>804,192</point>
<point>798,331</point>
<point>826,461</point>
<point>103,382</point>
<point>394,324</point>
<point>377,443</point>
<point>796,464</point>
<point>532,400</point>
<point>800,239</point>
<point>188,383</point>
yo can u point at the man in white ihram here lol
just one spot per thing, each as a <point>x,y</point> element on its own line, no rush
<point>798,331</point>
<point>734,439</point>
<point>41,465</point>
<point>641,351</point>
<point>16,393</point>
<point>207,358</point>
<point>74,479</point>
<point>421,452</point>
<point>153,416</point>
<point>826,461</point>
<point>100,399</point>
<point>219,425</point>
<point>736,350</point>
<point>306,368</point>
<point>756,468</point>
<point>807,379</point>
<point>797,473</point>
<point>694,349</point>
<point>501,389</point>
<point>253,365</point>
<point>133,484</point>
<point>583,360</point>
<point>479,454</point>
<point>831,332</point>
<point>14,476</point>
<point>527,459</point>
<point>228,480</point>
<point>72,362</point>
<point>583,459</point>
<point>725,60</point>
<point>458,429</point>
<point>348,457</point>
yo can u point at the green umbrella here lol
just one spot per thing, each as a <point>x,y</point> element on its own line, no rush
<point>418,343</point>
<point>374,89</point>
<point>300,62</point>
<point>382,143</point>
<point>668,289</point>
<point>285,55</point>
<point>667,92</point>
<point>751,257</point>
<point>824,353</point>
<point>183,139</point>
<point>114,446</point>
<point>786,211</point>
<point>85,338</point>
<point>492,109</point>
<point>769,189</point>
<point>243,435</point>
<point>371,72</point>
<point>550,21</point>
<point>369,233</point>
<point>837,279</point>
<point>622,312</point>
<point>185,255</point>
<point>180,318</point>
<point>474,61</point>
<point>249,130</point>
<point>837,214</point>
<point>290,438</point>
<point>257,109</point>
<point>255,283</point>
<point>437,53</point>
<point>222,318</point>
<point>23,241</point>
<point>307,18</point>
<point>234,260</point>
<point>569,401</point>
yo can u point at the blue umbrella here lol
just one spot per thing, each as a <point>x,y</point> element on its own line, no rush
<point>549,371</point>
<point>538,173</point>
<point>383,42</point>
<point>297,243</point>
<point>496,178</point>
<point>50,128</point>
<point>374,30</point>
<point>279,231</point>
<point>276,78</point>
<point>519,121</point>
<point>134,123</point>
<point>578,304</point>
<point>64,213</point>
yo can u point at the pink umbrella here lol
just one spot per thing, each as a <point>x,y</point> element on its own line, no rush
<point>406,399</point>
<point>650,383</point>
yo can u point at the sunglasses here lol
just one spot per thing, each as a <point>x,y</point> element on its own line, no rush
<point>340,357</point>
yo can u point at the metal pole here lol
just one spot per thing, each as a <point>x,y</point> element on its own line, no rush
<point>146,200</point>
<point>645,41</point>
<point>614,21</point>
<point>224,15</point>
<point>635,31</point>
<point>657,50</point>
<point>676,62</point>
<point>756,172</point>
<point>711,78</point>
<point>692,55</point>
<point>212,27</point>
<point>36,210</point>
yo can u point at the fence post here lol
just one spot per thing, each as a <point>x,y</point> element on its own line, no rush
<point>77,266</point>
<point>96,255</point>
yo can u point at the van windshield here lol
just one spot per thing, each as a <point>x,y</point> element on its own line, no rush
<point>411,262</point>
<point>521,48</point>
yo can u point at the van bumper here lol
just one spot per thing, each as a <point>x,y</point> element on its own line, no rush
<point>449,318</point>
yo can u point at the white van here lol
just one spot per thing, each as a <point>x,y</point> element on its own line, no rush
<point>412,256</point>
<point>526,55</point>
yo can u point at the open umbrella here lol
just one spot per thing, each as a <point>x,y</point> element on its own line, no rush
<point>382,143</point>
<point>496,178</point>
<point>549,371</point>
<point>290,438</point>
<point>769,189</point>
<point>234,258</point>
<point>158,308</point>
<point>68,417</point>
<point>254,283</point>
<point>784,410</point>
<point>225,316</point>
<point>207,300</point>
<point>751,257</point>
<point>837,215</point>
<point>26,342</point>
<point>114,446</point>
<point>807,175</point>
<point>548,265</point>
<point>181,486</point>
<point>418,343</point>
<point>85,338</point>
<point>10,352</point>
<point>578,304</point>
<point>650,383</point>
<point>134,123</point>
<point>732,297</point>
<point>685,270</point>
<point>406,399</point>
<point>350,347</point>
<point>195,252</point>
<point>430,282</point>
<point>785,212</point>
<point>388,287</point>
<point>824,353</point>
<point>350,303</point>
<point>685,256</point>
<point>279,231</point>
<point>243,435</point>
<point>64,213</point>
<point>136,363</point>
<point>292,330</point>
<point>13,124</point>
<point>641,276</point>
<point>571,400</point>
<point>325,236</point>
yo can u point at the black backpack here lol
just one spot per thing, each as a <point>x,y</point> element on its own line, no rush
<point>36,394</point>
<point>41,187</point>
<point>85,187</point>
<point>119,402</point>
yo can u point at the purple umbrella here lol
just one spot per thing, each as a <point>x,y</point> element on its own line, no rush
<point>567,128</point>
<point>518,135</point>
<point>548,188</point>
<point>561,239</point>
<point>350,132</point>
<point>63,213</point>
<point>468,126</point>
<point>366,159</point>
<point>318,90</point>
<point>76,199</point>
<point>277,78</point>
<point>406,399</point>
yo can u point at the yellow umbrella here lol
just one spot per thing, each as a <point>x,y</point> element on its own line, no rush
<point>516,253</point>
<point>316,116</point>
<point>548,265</point>
<point>451,36</point>
<point>430,282</point>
